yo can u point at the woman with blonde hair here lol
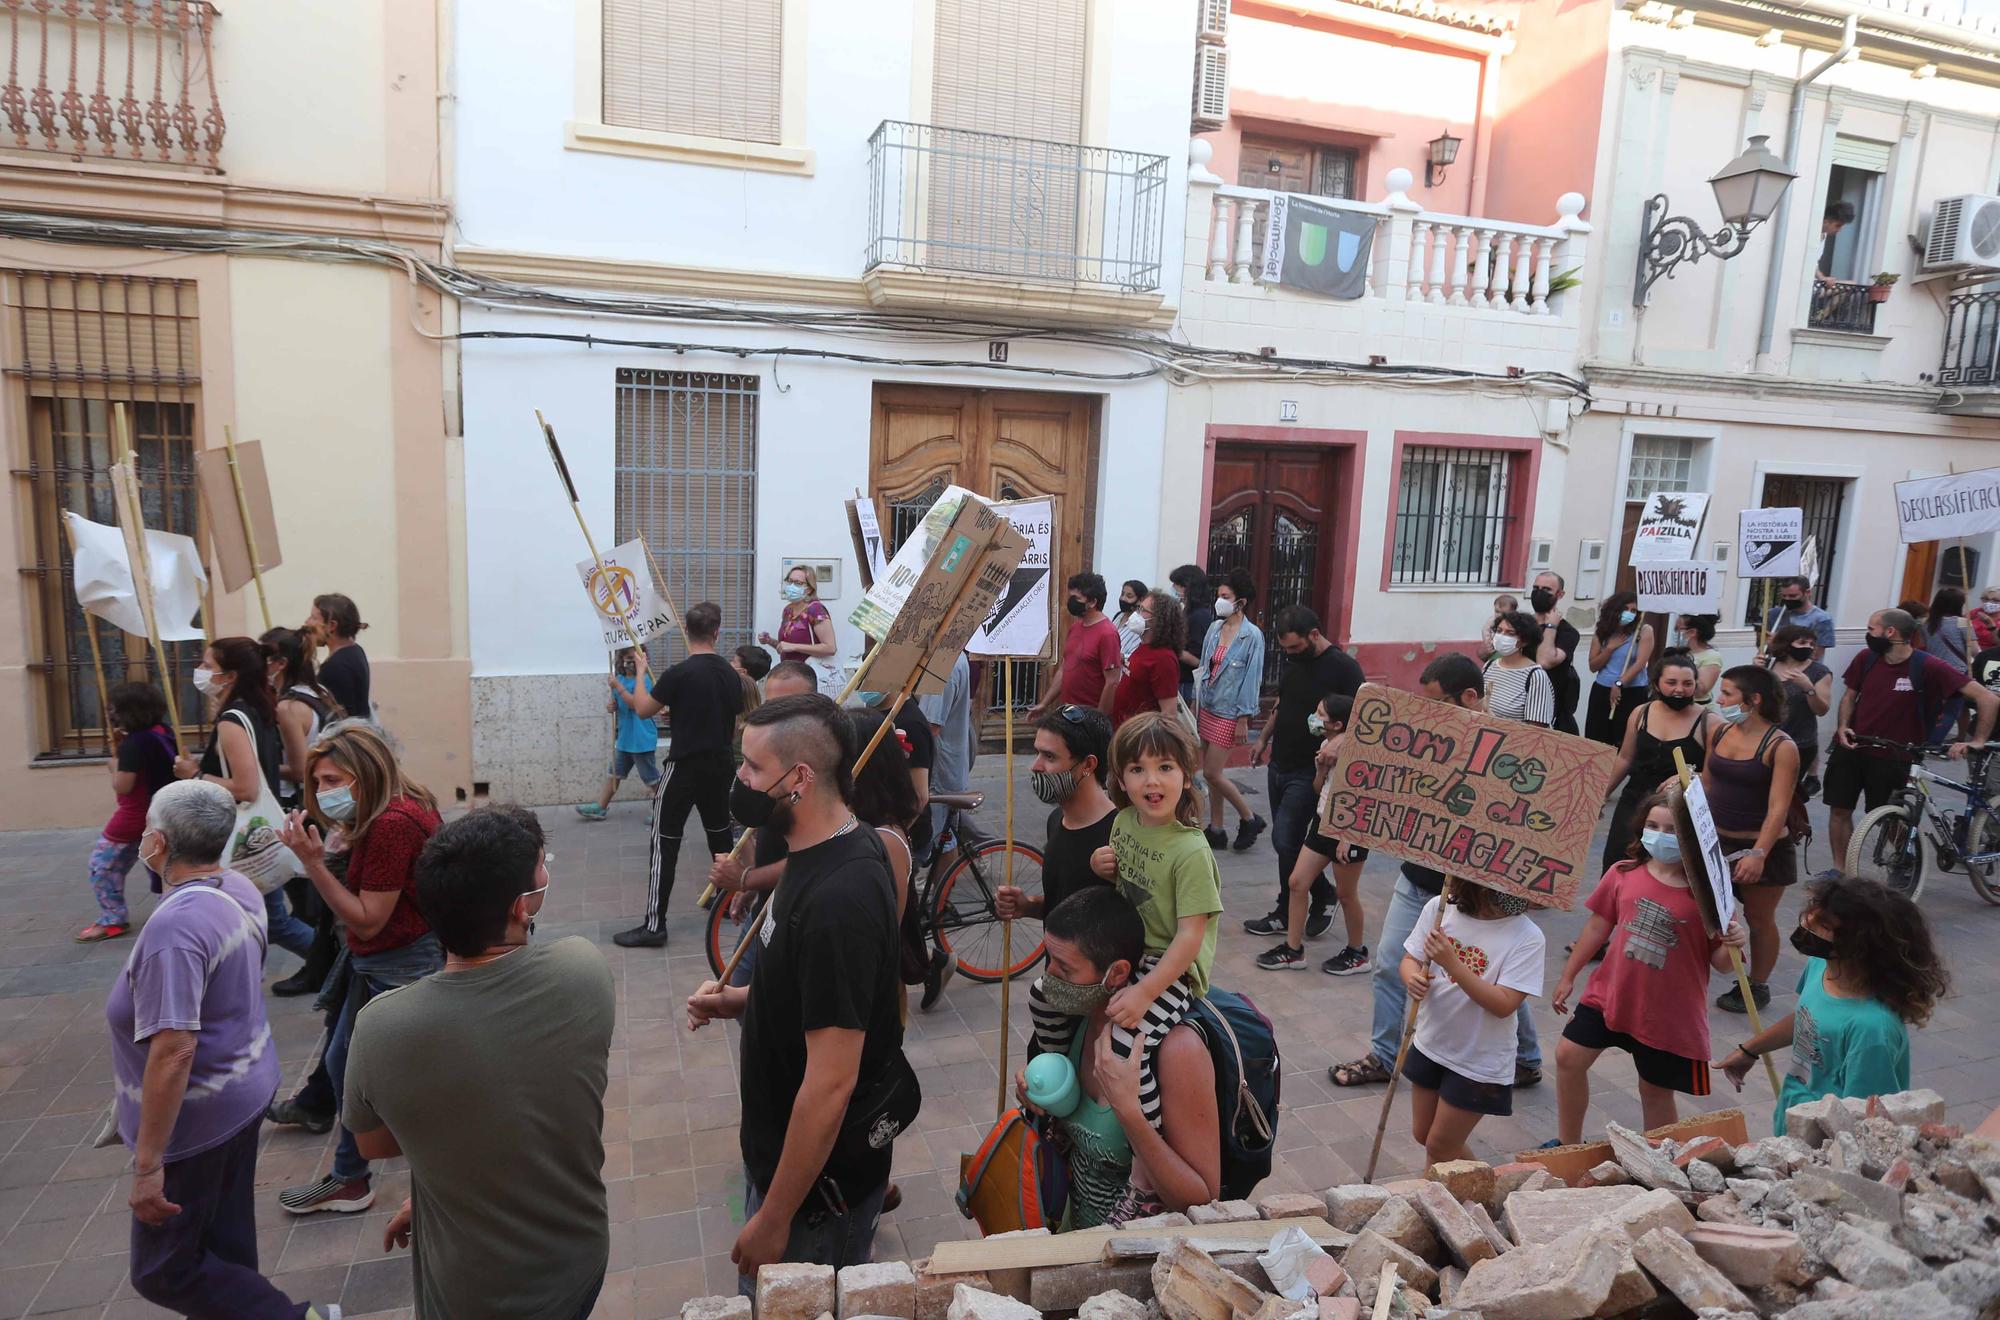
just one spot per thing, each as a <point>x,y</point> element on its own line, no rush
<point>355,784</point>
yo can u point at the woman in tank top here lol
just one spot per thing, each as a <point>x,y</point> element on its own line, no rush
<point>1750,775</point>
<point>1672,721</point>
<point>304,707</point>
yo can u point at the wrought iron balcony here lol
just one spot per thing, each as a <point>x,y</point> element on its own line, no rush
<point>956,202</point>
<point>1971,335</point>
<point>123,80</point>
<point>1841,306</point>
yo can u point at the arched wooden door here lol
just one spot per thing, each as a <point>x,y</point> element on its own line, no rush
<point>1271,512</point>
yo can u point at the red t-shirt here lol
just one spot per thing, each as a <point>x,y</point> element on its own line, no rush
<point>386,858</point>
<point>1089,653</point>
<point>1152,675</point>
<point>1653,983</point>
<point>1886,705</point>
<point>147,755</point>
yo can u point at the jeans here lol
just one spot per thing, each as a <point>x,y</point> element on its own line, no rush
<point>287,931</point>
<point>370,974</point>
<point>1292,805</point>
<point>1406,904</point>
<point>203,1261</point>
<point>837,1240</point>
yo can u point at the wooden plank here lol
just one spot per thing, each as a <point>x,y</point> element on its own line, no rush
<point>1088,1244</point>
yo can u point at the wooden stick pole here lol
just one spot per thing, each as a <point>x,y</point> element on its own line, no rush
<point>249,531</point>
<point>1403,1050</point>
<point>96,656</point>
<point>576,507</point>
<point>1007,926</point>
<point>125,494</point>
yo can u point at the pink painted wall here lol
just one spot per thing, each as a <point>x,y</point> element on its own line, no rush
<point>1550,97</point>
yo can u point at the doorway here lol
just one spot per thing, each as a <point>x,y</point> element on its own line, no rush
<point>1271,511</point>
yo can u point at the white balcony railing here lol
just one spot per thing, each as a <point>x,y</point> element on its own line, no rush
<point>1419,256</point>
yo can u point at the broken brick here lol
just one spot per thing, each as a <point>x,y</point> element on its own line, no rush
<point>1064,1287</point>
<point>1674,1264</point>
<point>1399,1222</point>
<point>1349,1208</point>
<point>1532,1218</point>
<point>1336,1308</point>
<point>885,1288</point>
<point>1647,1163</point>
<point>1189,1285</point>
<point>1750,1257</point>
<point>1370,1250</point>
<point>1609,1173</point>
<point>716,1308</point>
<point>1222,1212</point>
<point>1113,1306</point>
<point>1290,1205</point>
<point>970,1303</point>
<point>1454,1227</point>
<point>1466,1180</point>
<point>934,1291</point>
<point>794,1291</point>
<point>1566,1279</point>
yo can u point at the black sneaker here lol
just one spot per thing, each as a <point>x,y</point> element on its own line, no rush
<point>940,971</point>
<point>640,938</point>
<point>1318,923</point>
<point>290,1113</point>
<point>1732,1000</point>
<point>1282,958</point>
<point>1218,839</point>
<point>1525,1075</point>
<point>1272,923</point>
<point>1350,961</point>
<point>1247,832</point>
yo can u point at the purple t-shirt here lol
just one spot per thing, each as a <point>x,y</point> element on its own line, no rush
<point>198,966</point>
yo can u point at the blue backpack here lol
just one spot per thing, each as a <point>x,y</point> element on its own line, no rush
<point>1244,1049</point>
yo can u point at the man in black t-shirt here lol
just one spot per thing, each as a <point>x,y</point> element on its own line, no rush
<point>820,1015</point>
<point>702,697</point>
<point>1559,642</point>
<point>1072,749</point>
<point>1314,667</point>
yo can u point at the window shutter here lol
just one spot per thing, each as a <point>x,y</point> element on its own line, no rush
<point>1860,154</point>
<point>109,336</point>
<point>710,68</point>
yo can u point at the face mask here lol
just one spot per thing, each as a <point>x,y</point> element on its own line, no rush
<point>1990,606</point>
<point>1299,657</point>
<point>1505,643</point>
<point>1224,608</point>
<point>1543,601</point>
<point>1627,617</point>
<point>793,591</point>
<point>1052,786</point>
<point>1316,725</point>
<point>1882,644</point>
<point>1071,999</point>
<point>1794,605</point>
<point>754,807</point>
<point>337,804</point>
<point>1128,605</point>
<point>152,864</point>
<point>204,680</point>
<point>1660,845</point>
<point>1076,607</point>
<point>1811,945</point>
<point>1676,700</point>
<point>1731,714</point>
<point>1802,653</point>
<point>1510,905</point>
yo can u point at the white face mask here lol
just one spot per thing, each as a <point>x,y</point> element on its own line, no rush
<point>1505,643</point>
<point>204,680</point>
<point>1224,607</point>
<point>1990,606</point>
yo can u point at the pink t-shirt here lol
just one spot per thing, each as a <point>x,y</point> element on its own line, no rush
<point>1090,652</point>
<point>1653,983</point>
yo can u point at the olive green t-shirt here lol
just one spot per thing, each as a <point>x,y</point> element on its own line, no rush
<point>492,1081</point>
<point>1168,872</point>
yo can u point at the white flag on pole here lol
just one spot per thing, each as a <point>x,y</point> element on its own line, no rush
<point>103,579</point>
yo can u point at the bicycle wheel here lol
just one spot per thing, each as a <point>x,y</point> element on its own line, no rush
<point>721,937</point>
<point>1983,874</point>
<point>1888,850</point>
<point>963,920</point>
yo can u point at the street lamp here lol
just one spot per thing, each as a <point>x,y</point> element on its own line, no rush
<point>1747,190</point>
<point>1444,150</point>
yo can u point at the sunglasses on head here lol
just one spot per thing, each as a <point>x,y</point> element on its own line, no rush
<point>1073,714</point>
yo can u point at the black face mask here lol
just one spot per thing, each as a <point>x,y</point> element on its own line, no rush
<point>1077,607</point>
<point>754,807</point>
<point>1299,657</point>
<point>1794,605</point>
<point>1543,601</point>
<point>1881,644</point>
<point>1811,945</point>
<point>1802,653</point>
<point>1678,701</point>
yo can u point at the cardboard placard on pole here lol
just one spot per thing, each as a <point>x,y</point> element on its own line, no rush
<point>866,532</point>
<point>1669,527</point>
<point>1022,624</point>
<point>576,507</point>
<point>1690,586</point>
<point>125,495</point>
<point>1769,542</point>
<point>242,524</point>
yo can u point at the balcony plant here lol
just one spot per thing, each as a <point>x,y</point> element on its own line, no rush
<point>1879,286</point>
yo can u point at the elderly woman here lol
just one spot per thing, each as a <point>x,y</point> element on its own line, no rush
<point>805,629</point>
<point>195,1066</point>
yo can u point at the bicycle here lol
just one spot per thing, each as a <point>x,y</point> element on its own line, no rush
<point>1889,844</point>
<point>956,900</point>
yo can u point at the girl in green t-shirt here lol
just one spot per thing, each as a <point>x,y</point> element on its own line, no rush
<point>1871,973</point>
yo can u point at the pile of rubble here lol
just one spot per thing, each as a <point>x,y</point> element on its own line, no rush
<point>1872,1210</point>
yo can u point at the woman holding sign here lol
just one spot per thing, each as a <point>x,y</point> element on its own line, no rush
<point>1619,653</point>
<point>1750,774</point>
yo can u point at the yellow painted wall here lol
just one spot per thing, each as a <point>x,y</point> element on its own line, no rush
<point>322,125</point>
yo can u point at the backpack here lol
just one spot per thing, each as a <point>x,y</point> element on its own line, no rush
<point>1244,1050</point>
<point>1016,1179</point>
<point>1934,723</point>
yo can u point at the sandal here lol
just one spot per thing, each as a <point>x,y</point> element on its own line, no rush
<point>1362,1072</point>
<point>98,930</point>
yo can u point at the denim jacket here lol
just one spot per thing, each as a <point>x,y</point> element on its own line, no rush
<point>1235,691</point>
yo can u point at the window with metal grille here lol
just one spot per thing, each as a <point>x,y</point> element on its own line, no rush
<point>1659,462</point>
<point>684,467</point>
<point>710,68</point>
<point>80,344</point>
<point>1823,499</point>
<point>1454,517</point>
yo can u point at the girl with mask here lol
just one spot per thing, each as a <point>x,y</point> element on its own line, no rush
<point>1871,973</point>
<point>1750,774</point>
<point>1620,651</point>
<point>1230,692</point>
<point>1671,722</point>
<point>355,784</point>
<point>805,629</point>
<point>1647,999</point>
<point>1517,687</point>
<point>1131,618</point>
<point>1808,688</point>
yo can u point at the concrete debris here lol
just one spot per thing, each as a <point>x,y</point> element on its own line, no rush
<point>970,1303</point>
<point>1467,1180</point>
<point>794,1292</point>
<point>1111,1306</point>
<point>1861,1257</point>
<point>1609,1174</point>
<point>1648,1164</point>
<point>1364,1261</point>
<point>716,1308</point>
<point>1399,1222</point>
<point>1350,1208</point>
<point>1567,1279</point>
<point>884,1288</point>
<point>1531,1218</point>
<point>1679,1270</point>
<point>1223,1212</point>
<point>1290,1205</point>
<point>1189,1285</point>
<point>1850,1193</point>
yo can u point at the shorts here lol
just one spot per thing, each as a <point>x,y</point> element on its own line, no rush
<point>1216,730</point>
<point>1325,847</point>
<point>1851,776</point>
<point>1781,864</point>
<point>624,763</point>
<point>1456,1089</point>
<point>1669,1072</point>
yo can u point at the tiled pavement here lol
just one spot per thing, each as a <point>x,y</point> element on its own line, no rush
<point>676,1187</point>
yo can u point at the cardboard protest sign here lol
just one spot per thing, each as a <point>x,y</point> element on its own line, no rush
<point>867,534</point>
<point>1769,541</point>
<point>101,568</point>
<point>622,596</point>
<point>1669,527</point>
<point>1023,619</point>
<point>225,514</point>
<point>1956,504</point>
<point>1692,586</point>
<point>1701,856</point>
<point>974,561</point>
<point>877,610</point>
<point>1503,804</point>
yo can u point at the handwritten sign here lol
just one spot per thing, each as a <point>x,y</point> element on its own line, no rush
<point>878,608</point>
<point>1503,804</point>
<point>975,559</point>
<point>1023,618</point>
<point>1693,586</point>
<point>624,591</point>
<point>867,534</point>
<point>1701,857</point>
<point>1769,542</point>
<point>1958,504</point>
<point>1669,527</point>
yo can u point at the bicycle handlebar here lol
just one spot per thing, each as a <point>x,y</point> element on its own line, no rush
<point>1921,751</point>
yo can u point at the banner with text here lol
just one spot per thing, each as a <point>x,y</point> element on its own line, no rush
<point>975,560</point>
<point>1320,249</point>
<point>877,610</point>
<point>1500,803</point>
<point>1693,587</point>
<point>1939,508</point>
<point>1023,618</point>
<point>1770,542</point>
<point>1695,825</point>
<point>622,595</point>
<point>1669,527</point>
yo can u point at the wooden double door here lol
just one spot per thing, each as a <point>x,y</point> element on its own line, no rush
<point>1004,444</point>
<point>1272,511</point>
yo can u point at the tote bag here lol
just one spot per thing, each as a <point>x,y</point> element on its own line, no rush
<point>254,850</point>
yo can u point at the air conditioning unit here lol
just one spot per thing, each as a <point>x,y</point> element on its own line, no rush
<point>1211,87</point>
<point>1214,21</point>
<point>1964,231</point>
